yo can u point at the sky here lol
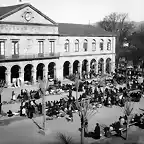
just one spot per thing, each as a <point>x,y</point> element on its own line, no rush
<point>84,11</point>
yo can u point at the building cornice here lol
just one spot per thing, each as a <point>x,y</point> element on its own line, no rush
<point>26,34</point>
<point>24,59</point>
<point>23,23</point>
<point>62,35</point>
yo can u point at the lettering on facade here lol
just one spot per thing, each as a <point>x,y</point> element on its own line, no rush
<point>27,29</point>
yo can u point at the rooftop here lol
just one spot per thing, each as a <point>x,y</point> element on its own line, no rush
<point>65,29</point>
<point>8,9</point>
<point>69,29</point>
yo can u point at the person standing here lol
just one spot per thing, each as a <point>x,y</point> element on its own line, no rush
<point>97,131</point>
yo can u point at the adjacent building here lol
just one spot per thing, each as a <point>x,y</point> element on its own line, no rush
<point>33,45</point>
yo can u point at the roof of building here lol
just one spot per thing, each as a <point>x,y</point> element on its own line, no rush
<point>65,29</point>
<point>6,11</point>
<point>68,29</point>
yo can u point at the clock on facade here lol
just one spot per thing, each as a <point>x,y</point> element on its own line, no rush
<point>28,16</point>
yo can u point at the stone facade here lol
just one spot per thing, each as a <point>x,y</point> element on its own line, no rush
<point>29,34</point>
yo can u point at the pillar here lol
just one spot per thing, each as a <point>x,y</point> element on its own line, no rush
<point>70,69</point>
<point>34,71</point>
<point>45,73</point>
<point>54,71</point>
<point>80,69</point>
<point>21,75</point>
<point>88,67</point>
<point>8,77</point>
<point>96,68</point>
<point>104,67</point>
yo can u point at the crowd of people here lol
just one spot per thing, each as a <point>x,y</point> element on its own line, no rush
<point>105,94</point>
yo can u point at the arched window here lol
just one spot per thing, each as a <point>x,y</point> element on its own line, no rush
<point>94,45</point>
<point>109,45</point>
<point>101,44</point>
<point>66,46</point>
<point>85,45</point>
<point>76,45</point>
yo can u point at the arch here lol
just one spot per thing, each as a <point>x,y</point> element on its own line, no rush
<point>3,73</point>
<point>108,65</point>
<point>101,66</point>
<point>93,65</point>
<point>85,45</point>
<point>85,65</point>
<point>93,45</point>
<point>40,68</point>
<point>76,45</point>
<point>52,70</point>
<point>109,44</point>
<point>15,70</point>
<point>101,44</point>
<point>66,67</point>
<point>66,46</point>
<point>76,66</point>
<point>28,72</point>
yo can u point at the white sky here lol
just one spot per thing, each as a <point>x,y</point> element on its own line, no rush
<point>83,11</point>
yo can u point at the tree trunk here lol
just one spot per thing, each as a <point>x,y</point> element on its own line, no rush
<point>0,105</point>
<point>82,134</point>
<point>127,126</point>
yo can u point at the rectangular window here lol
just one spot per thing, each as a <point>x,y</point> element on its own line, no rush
<point>93,46</point>
<point>52,47</point>
<point>41,47</point>
<point>85,46</point>
<point>15,47</point>
<point>66,47</point>
<point>76,47</point>
<point>108,46</point>
<point>101,46</point>
<point>2,48</point>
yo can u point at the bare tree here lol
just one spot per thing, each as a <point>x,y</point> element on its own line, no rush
<point>119,24</point>
<point>2,84</point>
<point>141,28</point>
<point>128,108</point>
<point>85,112</point>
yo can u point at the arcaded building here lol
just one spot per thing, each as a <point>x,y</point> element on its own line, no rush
<point>33,45</point>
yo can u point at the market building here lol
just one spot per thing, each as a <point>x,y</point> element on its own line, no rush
<point>33,45</point>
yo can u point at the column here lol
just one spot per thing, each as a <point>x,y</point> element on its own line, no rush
<point>70,69</point>
<point>8,78</point>
<point>88,67</point>
<point>45,73</point>
<point>21,76</point>
<point>96,68</point>
<point>104,67</point>
<point>55,72</point>
<point>80,70</point>
<point>34,72</point>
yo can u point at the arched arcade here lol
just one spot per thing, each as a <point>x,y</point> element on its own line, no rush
<point>76,66</point>
<point>66,69</point>
<point>101,66</point>
<point>28,69</point>
<point>52,70</point>
<point>108,65</point>
<point>3,73</point>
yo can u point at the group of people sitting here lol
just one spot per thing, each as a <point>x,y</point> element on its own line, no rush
<point>119,126</point>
